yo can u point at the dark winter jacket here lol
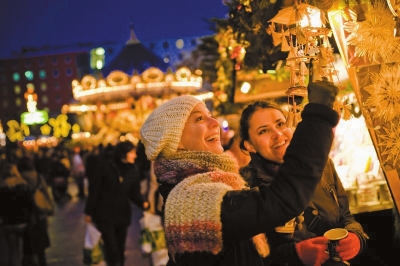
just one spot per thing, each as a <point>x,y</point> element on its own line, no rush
<point>328,208</point>
<point>248,212</point>
<point>115,187</point>
<point>16,201</point>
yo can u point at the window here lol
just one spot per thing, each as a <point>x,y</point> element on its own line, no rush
<point>69,72</point>
<point>41,62</point>
<point>5,104</point>
<point>18,102</point>
<point>17,89</point>
<point>97,57</point>
<point>29,75</point>
<point>56,73</point>
<point>43,86</point>
<point>179,44</point>
<point>3,78</point>
<point>54,61</point>
<point>67,59</point>
<point>42,74</point>
<point>28,64</point>
<point>45,99</point>
<point>165,45</point>
<point>57,86</point>
<point>16,77</point>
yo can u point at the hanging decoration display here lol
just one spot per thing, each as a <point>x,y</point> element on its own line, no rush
<point>390,142</point>
<point>373,37</point>
<point>301,30</point>
<point>367,35</point>
<point>384,92</point>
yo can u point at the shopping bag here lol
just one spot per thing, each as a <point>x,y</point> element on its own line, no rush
<point>152,238</point>
<point>93,247</point>
<point>41,197</point>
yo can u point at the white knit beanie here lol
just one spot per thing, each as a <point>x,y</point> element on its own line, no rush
<point>162,130</point>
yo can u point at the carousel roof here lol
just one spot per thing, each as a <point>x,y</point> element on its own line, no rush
<point>134,56</point>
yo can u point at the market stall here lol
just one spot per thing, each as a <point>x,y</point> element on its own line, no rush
<point>367,36</point>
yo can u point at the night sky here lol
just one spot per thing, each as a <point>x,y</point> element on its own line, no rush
<point>40,23</point>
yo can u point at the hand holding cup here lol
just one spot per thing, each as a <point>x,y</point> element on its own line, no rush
<point>348,247</point>
<point>334,237</point>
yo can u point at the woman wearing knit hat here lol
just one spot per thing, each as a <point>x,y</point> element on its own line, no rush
<point>211,217</point>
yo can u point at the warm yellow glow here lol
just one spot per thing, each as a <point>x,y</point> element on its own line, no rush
<point>245,88</point>
<point>179,44</point>
<point>313,19</point>
<point>100,51</point>
<point>205,96</point>
<point>99,64</point>
<point>224,124</point>
<point>151,80</point>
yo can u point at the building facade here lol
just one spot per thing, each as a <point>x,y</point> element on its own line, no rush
<point>48,76</point>
<point>51,70</point>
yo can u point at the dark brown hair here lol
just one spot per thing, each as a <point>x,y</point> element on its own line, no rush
<point>245,117</point>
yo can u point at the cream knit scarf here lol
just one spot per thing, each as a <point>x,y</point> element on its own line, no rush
<point>193,207</point>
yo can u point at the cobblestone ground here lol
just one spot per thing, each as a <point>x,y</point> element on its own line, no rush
<point>67,229</point>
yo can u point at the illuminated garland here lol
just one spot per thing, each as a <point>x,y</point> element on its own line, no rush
<point>152,74</point>
<point>117,78</point>
<point>88,82</point>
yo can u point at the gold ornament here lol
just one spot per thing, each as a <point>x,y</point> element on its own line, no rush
<point>374,37</point>
<point>390,144</point>
<point>385,92</point>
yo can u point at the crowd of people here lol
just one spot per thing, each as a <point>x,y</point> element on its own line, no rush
<point>270,207</point>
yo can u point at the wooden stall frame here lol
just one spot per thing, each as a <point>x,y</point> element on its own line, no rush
<point>391,173</point>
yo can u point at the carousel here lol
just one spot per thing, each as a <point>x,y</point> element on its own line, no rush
<point>130,86</point>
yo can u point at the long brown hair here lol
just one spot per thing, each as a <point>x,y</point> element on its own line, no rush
<point>245,117</point>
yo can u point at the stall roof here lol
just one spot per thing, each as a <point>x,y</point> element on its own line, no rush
<point>134,56</point>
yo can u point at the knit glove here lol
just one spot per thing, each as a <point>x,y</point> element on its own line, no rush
<point>348,247</point>
<point>313,251</point>
<point>322,92</point>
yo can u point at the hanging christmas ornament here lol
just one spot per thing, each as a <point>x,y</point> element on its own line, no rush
<point>374,37</point>
<point>385,93</point>
<point>389,144</point>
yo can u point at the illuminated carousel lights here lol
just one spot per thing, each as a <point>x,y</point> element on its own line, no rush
<point>151,79</point>
<point>152,74</point>
<point>88,82</point>
<point>117,78</point>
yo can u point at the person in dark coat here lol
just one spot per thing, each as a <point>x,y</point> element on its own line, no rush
<point>36,237</point>
<point>92,162</point>
<point>16,205</point>
<point>115,187</point>
<point>265,135</point>
<point>211,217</point>
<point>58,174</point>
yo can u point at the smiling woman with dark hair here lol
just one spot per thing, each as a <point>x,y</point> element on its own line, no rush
<point>266,136</point>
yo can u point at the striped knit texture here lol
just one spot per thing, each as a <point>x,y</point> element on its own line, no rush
<point>193,207</point>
